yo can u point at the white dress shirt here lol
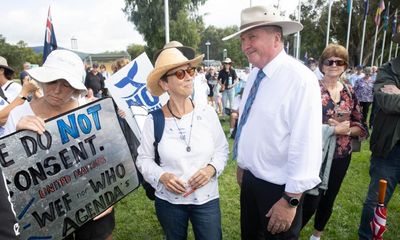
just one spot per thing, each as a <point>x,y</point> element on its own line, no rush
<point>281,141</point>
<point>208,146</point>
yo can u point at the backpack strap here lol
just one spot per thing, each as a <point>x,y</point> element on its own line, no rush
<point>159,123</point>
<point>2,95</point>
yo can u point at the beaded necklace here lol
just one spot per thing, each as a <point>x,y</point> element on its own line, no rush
<point>183,136</point>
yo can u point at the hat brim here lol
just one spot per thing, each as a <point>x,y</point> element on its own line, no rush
<point>396,38</point>
<point>46,75</point>
<point>288,27</point>
<point>8,68</point>
<point>155,75</point>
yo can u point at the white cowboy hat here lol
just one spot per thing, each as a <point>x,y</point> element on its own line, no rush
<point>227,60</point>
<point>167,59</point>
<point>61,64</point>
<point>263,16</point>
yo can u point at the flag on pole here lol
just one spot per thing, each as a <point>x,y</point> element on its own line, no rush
<point>349,7</point>
<point>386,20</point>
<point>379,11</point>
<point>366,6</point>
<point>50,42</point>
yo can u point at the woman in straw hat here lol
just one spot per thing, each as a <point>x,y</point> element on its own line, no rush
<point>193,150</point>
<point>61,78</point>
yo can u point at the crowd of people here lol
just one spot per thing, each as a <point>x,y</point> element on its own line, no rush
<point>295,127</point>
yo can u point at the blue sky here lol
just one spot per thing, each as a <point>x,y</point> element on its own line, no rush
<point>99,25</point>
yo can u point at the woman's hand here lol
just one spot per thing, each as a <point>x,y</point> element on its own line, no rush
<point>121,113</point>
<point>30,86</point>
<point>202,177</point>
<point>31,122</point>
<point>173,183</point>
<point>103,214</point>
<point>341,128</point>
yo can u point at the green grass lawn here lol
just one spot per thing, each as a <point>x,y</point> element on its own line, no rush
<point>136,215</point>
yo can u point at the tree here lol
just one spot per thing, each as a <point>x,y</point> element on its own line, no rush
<point>148,17</point>
<point>233,47</point>
<point>135,50</point>
<point>314,20</point>
<point>17,54</point>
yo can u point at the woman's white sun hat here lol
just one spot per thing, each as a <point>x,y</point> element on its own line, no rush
<point>61,64</point>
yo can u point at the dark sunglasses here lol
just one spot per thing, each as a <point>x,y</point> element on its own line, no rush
<point>180,74</point>
<point>337,62</point>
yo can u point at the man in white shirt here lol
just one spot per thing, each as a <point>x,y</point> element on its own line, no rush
<point>278,141</point>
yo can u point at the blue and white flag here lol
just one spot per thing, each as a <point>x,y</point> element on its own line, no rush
<point>50,42</point>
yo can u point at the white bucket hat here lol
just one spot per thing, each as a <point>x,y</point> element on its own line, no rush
<point>61,64</point>
<point>263,16</point>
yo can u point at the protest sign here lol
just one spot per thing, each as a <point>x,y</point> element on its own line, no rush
<point>74,171</point>
<point>128,89</point>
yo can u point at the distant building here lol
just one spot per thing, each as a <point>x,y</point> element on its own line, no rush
<point>106,58</point>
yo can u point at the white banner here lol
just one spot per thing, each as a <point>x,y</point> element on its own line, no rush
<point>128,89</point>
<point>77,169</point>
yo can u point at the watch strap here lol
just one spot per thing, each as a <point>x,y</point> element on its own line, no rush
<point>22,97</point>
<point>292,201</point>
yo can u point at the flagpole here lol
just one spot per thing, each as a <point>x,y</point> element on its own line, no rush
<point>166,13</point>
<point>373,50</point>
<point>349,25</point>
<point>394,31</point>
<point>298,34</point>
<point>362,41</point>
<point>329,23</point>
<point>390,51</point>
<point>383,47</point>
<point>397,49</point>
<point>384,33</point>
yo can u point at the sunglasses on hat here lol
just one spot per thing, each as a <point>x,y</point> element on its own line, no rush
<point>339,63</point>
<point>180,74</point>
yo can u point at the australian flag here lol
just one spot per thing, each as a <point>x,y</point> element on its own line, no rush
<point>50,42</point>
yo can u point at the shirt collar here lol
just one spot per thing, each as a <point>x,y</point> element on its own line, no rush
<point>271,67</point>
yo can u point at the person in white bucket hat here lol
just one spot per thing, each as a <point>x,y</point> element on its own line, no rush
<point>193,150</point>
<point>278,142</point>
<point>61,79</point>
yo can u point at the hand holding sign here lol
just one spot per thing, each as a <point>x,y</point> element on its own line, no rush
<point>32,123</point>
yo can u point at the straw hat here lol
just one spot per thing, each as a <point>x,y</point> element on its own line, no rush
<point>396,38</point>
<point>61,64</point>
<point>4,64</point>
<point>265,16</point>
<point>170,57</point>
